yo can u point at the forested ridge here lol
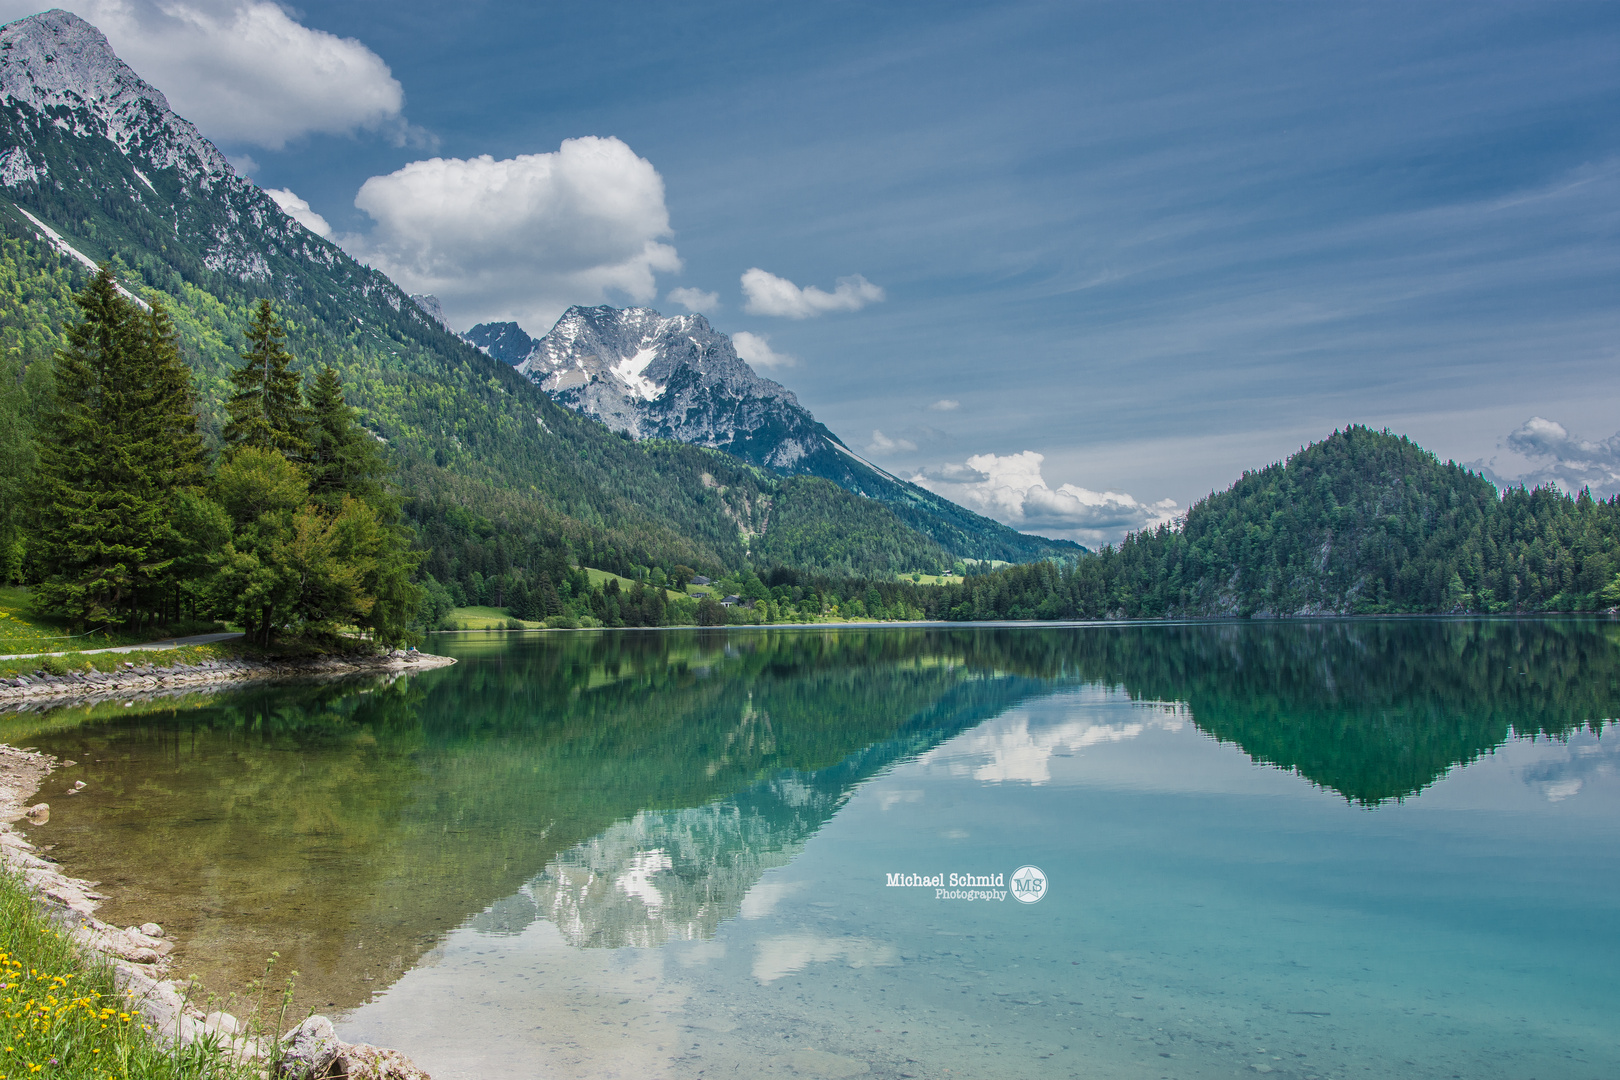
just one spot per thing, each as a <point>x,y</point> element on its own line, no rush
<point>1362,523</point>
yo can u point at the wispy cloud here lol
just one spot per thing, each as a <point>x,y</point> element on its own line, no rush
<point>756,349</point>
<point>771,295</point>
<point>694,299</point>
<point>882,444</point>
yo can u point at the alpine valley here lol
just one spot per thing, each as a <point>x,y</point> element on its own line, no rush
<point>643,445</point>
<point>721,470</point>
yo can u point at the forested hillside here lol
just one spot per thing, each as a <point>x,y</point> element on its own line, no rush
<point>491,469</point>
<point>1363,522</point>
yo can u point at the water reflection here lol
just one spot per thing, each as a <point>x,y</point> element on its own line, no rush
<point>633,789</point>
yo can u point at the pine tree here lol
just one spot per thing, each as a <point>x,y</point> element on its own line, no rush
<point>102,531</point>
<point>343,458</point>
<point>266,411</point>
<point>179,460</point>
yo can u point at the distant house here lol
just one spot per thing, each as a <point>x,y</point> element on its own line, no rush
<point>700,580</point>
<point>731,601</point>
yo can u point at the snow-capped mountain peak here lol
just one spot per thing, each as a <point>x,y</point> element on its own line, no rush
<point>672,377</point>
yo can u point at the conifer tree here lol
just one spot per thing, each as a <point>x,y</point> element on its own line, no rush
<point>343,458</point>
<point>266,411</point>
<point>103,515</point>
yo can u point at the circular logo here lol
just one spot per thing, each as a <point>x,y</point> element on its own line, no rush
<point>1028,884</point>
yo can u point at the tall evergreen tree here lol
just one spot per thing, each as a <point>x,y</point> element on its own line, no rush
<point>106,465</point>
<point>343,459</point>
<point>266,411</point>
<point>179,461</point>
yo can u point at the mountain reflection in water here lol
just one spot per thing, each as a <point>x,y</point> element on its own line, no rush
<point>633,787</point>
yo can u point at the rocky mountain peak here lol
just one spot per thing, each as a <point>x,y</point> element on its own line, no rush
<point>670,377</point>
<point>63,68</point>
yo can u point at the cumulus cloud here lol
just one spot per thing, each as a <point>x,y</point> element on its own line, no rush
<point>771,295</point>
<point>882,444</point>
<point>694,299</point>
<point>245,71</point>
<point>299,210</point>
<point>945,405</point>
<point>1550,454</point>
<point>756,349</point>
<point>521,238</point>
<point>1010,489</point>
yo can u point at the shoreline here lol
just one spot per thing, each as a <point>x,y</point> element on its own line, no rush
<point>140,955</point>
<point>42,689</point>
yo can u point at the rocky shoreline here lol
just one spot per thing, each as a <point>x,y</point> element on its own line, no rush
<point>44,689</point>
<point>140,956</point>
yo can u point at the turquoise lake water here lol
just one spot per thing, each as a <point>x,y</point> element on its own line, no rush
<point>1336,849</point>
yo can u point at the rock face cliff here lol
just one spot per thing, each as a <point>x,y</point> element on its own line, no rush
<point>658,377</point>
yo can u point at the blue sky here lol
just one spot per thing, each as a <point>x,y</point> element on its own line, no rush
<point>1154,244</point>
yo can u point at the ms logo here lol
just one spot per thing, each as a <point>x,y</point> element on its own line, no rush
<point>1028,884</point>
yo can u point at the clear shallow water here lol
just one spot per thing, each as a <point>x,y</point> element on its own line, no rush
<point>1332,850</point>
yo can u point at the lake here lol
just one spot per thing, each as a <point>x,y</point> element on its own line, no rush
<point>1335,849</point>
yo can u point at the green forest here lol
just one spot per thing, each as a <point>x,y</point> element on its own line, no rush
<point>128,503</point>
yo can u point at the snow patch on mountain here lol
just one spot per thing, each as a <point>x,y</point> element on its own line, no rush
<point>670,377</point>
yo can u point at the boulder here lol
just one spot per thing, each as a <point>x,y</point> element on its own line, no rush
<point>308,1050</point>
<point>312,1051</point>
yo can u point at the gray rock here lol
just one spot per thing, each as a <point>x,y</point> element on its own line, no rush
<point>308,1050</point>
<point>151,929</point>
<point>671,378</point>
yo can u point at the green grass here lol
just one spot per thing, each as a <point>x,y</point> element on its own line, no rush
<point>23,631</point>
<point>482,618</point>
<point>600,577</point>
<point>61,1016</point>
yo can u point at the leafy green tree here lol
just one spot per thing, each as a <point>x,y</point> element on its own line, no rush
<point>288,564</point>
<point>267,411</point>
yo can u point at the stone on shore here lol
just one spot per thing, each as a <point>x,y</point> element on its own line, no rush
<point>312,1051</point>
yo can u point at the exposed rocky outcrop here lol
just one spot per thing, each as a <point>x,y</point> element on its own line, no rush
<point>658,377</point>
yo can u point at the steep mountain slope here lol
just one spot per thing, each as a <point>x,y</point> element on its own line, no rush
<point>95,167</point>
<point>657,377</point>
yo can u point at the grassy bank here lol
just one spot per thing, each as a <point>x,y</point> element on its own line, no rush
<point>22,630</point>
<point>61,1016</point>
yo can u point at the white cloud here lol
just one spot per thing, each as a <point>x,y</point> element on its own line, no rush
<point>299,210</point>
<point>756,349</point>
<point>882,444</point>
<point>521,238</point>
<point>695,299</point>
<point>1010,489</point>
<point>945,405</point>
<point>1548,454</point>
<point>771,295</point>
<point>243,164</point>
<point>245,71</point>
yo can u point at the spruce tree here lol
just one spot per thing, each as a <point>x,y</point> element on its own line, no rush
<point>266,411</point>
<point>179,460</point>
<point>343,458</point>
<point>102,529</point>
